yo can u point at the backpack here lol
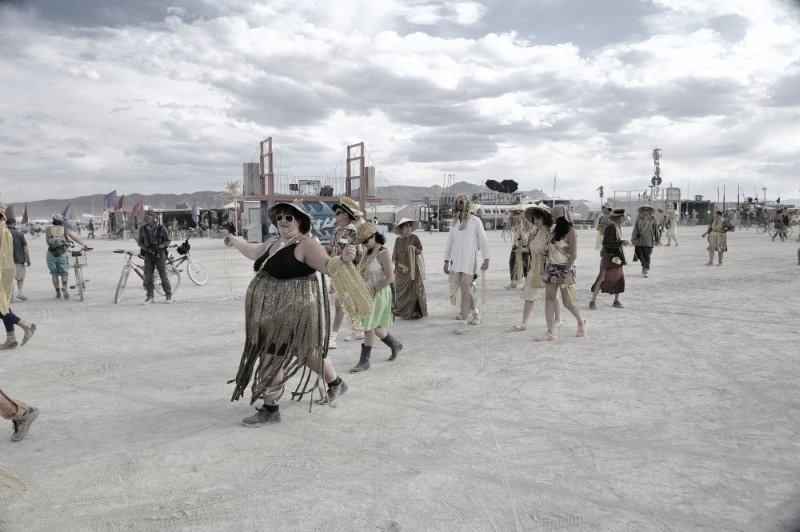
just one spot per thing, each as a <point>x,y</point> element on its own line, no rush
<point>57,245</point>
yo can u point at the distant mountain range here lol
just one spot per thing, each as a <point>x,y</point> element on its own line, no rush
<point>206,199</point>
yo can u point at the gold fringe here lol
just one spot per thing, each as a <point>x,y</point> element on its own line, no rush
<point>421,264</point>
<point>352,292</point>
<point>412,263</point>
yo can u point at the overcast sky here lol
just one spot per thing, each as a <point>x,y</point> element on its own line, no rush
<point>173,96</point>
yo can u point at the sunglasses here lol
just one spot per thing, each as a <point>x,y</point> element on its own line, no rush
<point>282,217</point>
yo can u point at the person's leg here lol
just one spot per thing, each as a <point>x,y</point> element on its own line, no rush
<point>366,352</point>
<point>526,314</point>
<point>710,256</point>
<point>65,285</point>
<point>56,285</point>
<point>467,303</point>
<point>149,269</point>
<point>719,256</point>
<point>338,316</point>
<point>390,341</point>
<point>19,413</point>
<point>161,264</point>
<point>570,303</point>
<point>601,277</point>
<point>9,320</point>
<point>550,303</point>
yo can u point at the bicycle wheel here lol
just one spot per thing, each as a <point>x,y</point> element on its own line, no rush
<point>123,280</point>
<point>174,277</point>
<point>772,232</point>
<point>79,282</point>
<point>197,272</point>
<point>789,231</point>
<point>760,228</point>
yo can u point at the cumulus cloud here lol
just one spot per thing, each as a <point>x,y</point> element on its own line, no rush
<point>174,96</point>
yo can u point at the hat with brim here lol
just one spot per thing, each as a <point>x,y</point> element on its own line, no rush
<point>364,232</point>
<point>398,228</point>
<point>540,210</point>
<point>294,206</point>
<point>349,206</point>
<point>3,208</point>
<point>150,212</point>
<point>646,207</point>
<point>618,213</point>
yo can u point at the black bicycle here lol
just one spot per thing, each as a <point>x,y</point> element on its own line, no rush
<point>195,269</point>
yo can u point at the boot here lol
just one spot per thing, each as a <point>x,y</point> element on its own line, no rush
<point>29,329</point>
<point>393,344</point>
<point>363,362</point>
<point>11,342</point>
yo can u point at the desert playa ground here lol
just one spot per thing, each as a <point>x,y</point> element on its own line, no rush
<point>678,412</point>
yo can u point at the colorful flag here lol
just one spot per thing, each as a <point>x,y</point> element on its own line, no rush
<point>68,213</point>
<point>10,212</point>
<point>138,209</point>
<point>120,203</point>
<point>195,212</point>
<point>110,199</point>
<point>24,215</point>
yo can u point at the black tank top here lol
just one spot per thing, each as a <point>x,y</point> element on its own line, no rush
<point>283,264</point>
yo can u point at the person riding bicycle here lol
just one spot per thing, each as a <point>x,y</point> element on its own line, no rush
<point>153,239</point>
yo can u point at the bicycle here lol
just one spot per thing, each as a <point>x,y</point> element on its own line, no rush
<point>172,273</point>
<point>78,264</point>
<point>195,269</point>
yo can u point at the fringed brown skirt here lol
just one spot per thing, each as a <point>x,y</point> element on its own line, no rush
<point>614,282</point>
<point>286,321</point>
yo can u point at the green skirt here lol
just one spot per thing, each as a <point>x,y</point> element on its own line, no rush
<point>382,314</point>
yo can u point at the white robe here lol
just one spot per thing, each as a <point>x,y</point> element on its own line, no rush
<point>463,246</point>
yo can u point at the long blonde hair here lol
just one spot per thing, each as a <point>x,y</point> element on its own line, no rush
<point>463,215</point>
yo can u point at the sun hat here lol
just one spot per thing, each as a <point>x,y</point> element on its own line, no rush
<point>540,208</point>
<point>364,232</point>
<point>3,208</point>
<point>643,207</point>
<point>618,212</point>
<point>302,215</point>
<point>349,206</point>
<point>403,221</point>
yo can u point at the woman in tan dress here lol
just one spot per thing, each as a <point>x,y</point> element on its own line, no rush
<point>533,289</point>
<point>717,238</point>
<point>409,273</point>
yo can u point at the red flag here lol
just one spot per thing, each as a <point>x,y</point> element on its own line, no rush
<point>138,209</point>
<point>10,212</point>
<point>24,215</point>
<point>120,202</point>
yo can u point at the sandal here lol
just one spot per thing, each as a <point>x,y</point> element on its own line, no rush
<point>547,337</point>
<point>520,327</point>
<point>582,328</point>
<point>617,304</point>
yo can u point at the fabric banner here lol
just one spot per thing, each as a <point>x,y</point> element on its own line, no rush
<point>110,199</point>
<point>68,213</point>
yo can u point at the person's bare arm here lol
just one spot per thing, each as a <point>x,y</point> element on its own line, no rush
<point>313,254</point>
<point>249,250</point>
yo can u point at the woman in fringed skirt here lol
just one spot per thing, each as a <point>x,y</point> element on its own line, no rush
<point>286,313</point>
<point>611,279</point>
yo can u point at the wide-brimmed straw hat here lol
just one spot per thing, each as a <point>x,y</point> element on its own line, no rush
<point>364,232</point>
<point>644,207</point>
<point>403,221</point>
<point>349,206</point>
<point>296,206</point>
<point>539,208</point>
<point>618,212</point>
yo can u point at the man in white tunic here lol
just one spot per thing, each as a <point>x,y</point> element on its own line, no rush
<point>466,238</point>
